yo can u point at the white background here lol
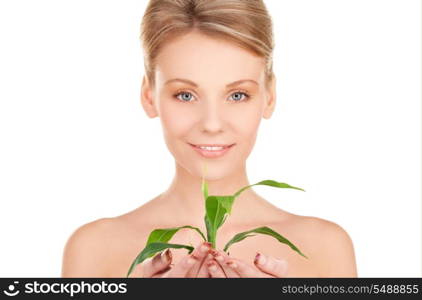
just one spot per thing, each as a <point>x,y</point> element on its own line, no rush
<point>76,145</point>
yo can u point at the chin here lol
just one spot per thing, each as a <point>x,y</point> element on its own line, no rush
<point>217,171</point>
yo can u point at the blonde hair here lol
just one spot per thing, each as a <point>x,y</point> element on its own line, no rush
<point>243,22</point>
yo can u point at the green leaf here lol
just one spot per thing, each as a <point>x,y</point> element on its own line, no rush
<point>208,227</point>
<point>226,202</point>
<point>214,210</point>
<point>151,249</point>
<point>217,209</point>
<point>204,188</point>
<point>270,183</point>
<point>222,221</point>
<point>237,238</point>
<point>165,234</point>
<point>214,213</point>
<point>263,230</point>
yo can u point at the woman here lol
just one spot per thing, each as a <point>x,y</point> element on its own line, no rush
<point>208,77</point>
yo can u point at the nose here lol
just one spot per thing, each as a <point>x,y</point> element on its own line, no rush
<point>212,119</point>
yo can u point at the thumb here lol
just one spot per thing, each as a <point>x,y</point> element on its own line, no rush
<point>271,265</point>
<point>158,263</point>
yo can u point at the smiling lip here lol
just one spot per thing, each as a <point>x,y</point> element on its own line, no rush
<point>208,153</point>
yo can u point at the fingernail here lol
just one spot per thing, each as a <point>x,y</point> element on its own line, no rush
<point>256,258</point>
<point>214,252</point>
<point>169,256</point>
<point>164,256</point>
<point>260,259</point>
<point>209,256</point>
<point>232,264</point>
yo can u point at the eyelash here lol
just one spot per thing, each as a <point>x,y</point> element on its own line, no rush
<point>247,95</point>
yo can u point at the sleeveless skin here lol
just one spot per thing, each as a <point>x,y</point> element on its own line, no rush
<point>127,234</point>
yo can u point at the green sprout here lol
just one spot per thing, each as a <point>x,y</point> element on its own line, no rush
<point>217,208</point>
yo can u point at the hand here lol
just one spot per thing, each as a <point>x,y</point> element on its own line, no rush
<point>154,266</point>
<point>264,266</point>
<point>191,265</point>
<point>159,266</point>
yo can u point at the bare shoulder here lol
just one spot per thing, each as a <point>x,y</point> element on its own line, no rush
<point>336,251</point>
<point>86,249</point>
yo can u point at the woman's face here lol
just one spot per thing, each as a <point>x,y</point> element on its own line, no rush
<point>199,102</point>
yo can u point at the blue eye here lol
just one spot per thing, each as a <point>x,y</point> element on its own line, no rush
<point>185,99</point>
<point>238,98</point>
<point>186,96</point>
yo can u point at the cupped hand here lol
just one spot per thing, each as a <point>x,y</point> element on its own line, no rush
<point>154,266</point>
<point>159,266</point>
<point>263,266</point>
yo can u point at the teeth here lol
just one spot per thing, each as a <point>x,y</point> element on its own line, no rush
<point>212,148</point>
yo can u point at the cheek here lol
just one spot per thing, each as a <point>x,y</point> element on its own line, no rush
<point>247,122</point>
<point>247,126</point>
<point>175,119</point>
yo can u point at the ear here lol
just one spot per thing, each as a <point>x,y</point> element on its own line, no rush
<point>147,99</point>
<point>271,97</point>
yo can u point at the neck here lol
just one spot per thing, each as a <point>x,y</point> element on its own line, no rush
<point>186,203</point>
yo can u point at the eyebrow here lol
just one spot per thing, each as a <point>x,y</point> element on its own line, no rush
<point>234,83</point>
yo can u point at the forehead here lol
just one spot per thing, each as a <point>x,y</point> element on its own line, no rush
<point>207,60</point>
